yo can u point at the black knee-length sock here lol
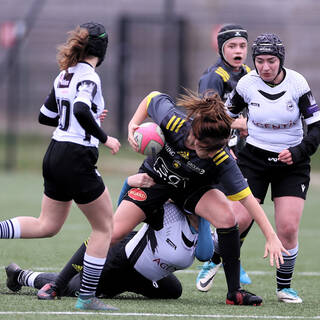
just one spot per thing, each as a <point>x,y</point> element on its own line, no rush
<point>229,244</point>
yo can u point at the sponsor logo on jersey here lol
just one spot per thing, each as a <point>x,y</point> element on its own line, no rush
<point>164,265</point>
<point>184,154</point>
<point>255,104</point>
<point>77,267</point>
<point>275,126</point>
<point>137,194</point>
<point>171,244</point>
<point>303,187</point>
<point>193,167</point>
<point>168,175</point>
<point>169,150</point>
<point>64,80</point>
<point>270,159</point>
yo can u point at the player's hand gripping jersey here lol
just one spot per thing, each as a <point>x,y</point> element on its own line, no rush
<point>275,113</point>
<point>180,167</point>
<point>78,84</point>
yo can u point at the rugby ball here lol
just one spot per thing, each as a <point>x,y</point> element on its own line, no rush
<point>149,138</point>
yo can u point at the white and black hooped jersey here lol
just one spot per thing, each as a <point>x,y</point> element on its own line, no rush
<point>77,84</point>
<point>157,253</point>
<point>274,113</point>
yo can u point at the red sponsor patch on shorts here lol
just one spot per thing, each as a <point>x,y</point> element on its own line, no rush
<point>137,194</point>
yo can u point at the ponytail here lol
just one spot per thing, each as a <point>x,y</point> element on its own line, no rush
<point>74,49</point>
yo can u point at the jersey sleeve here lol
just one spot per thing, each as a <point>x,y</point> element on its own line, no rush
<point>159,106</point>
<point>86,91</point>
<point>211,81</point>
<point>309,108</point>
<point>230,177</point>
<point>49,113</point>
<point>235,103</point>
<point>50,108</point>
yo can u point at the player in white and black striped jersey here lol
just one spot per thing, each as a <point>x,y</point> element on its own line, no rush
<point>277,152</point>
<point>69,166</point>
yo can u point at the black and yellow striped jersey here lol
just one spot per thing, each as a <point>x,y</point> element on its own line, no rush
<point>180,167</point>
<point>221,78</point>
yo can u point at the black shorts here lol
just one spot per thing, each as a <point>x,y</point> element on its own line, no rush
<point>151,200</point>
<point>262,168</point>
<point>69,172</point>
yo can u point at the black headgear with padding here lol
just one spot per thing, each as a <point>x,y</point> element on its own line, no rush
<point>228,32</point>
<point>268,44</point>
<point>98,40</point>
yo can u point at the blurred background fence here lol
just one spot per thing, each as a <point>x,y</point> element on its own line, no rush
<point>153,45</point>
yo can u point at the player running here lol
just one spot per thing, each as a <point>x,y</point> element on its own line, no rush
<point>69,165</point>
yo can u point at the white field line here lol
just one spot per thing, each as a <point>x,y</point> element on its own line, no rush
<point>192,271</point>
<point>160,315</point>
<point>256,272</point>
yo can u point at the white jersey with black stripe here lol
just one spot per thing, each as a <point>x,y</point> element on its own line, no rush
<point>175,248</point>
<point>275,112</point>
<point>78,84</point>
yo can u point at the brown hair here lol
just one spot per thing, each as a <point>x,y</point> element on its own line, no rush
<point>210,122</point>
<point>73,50</point>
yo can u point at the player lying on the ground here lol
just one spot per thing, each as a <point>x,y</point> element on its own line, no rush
<point>143,262</point>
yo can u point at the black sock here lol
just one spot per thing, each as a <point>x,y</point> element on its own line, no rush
<point>216,258</point>
<point>74,265</point>
<point>229,245</point>
<point>245,233</point>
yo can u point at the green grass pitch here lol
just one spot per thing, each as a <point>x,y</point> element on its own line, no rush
<point>20,194</point>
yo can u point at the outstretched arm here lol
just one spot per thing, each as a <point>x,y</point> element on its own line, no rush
<point>273,247</point>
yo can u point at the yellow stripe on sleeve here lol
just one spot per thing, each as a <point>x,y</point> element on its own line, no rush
<point>219,154</point>
<point>180,125</point>
<point>223,73</point>
<point>170,121</point>
<point>151,95</point>
<point>175,124</point>
<point>240,195</point>
<point>248,69</point>
<point>222,159</point>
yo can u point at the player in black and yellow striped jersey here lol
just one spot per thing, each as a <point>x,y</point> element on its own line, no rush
<point>224,75</point>
<point>222,78</point>
<point>191,169</point>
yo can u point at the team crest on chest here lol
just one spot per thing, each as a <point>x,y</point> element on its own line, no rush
<point>176,164</point>
<point>290,106</point>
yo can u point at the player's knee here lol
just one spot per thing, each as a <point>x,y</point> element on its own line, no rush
<point>175,291</point>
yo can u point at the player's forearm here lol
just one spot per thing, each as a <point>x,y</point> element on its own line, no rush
<point>259,216</point>
<point>141,113</point>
